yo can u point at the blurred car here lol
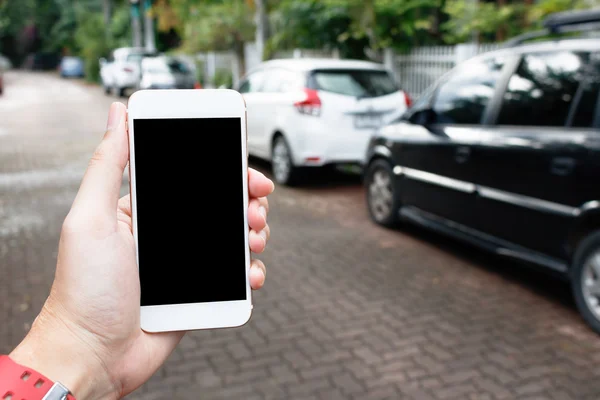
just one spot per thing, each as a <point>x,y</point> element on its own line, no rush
<point>122,71</point>
<point>71,67</point>
<point>166,72</point>
<point>316,112</point>
<point>42,61</point>
<point>504,153</point>
<point>5,65</point>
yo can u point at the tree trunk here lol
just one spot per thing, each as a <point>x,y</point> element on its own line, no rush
<point>240,56</point>
<point>501,32</point>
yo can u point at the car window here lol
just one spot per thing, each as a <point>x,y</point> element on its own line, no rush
<point>542,90</point>
<point>134,57</point>
<point>281,81</point>
<point>583,110</point>
<point>356,83</point>
<point>253,83</point>
<point>178,67</point>
<point>464,95</point>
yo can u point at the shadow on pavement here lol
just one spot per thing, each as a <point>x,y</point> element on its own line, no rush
<point>539,280</point>
<point>314,178</point>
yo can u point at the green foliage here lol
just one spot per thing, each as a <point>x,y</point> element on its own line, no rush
<point>489,20</point>
<point>315,24</point>
<point>352,26</point>
<point>214,25</point>
<point>223,77</point>
<point>91,38</point>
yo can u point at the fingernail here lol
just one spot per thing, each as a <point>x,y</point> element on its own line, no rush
<point>272,186</point>
<point>262,211</point>
<point>113,117</point>
<point>263,234</point>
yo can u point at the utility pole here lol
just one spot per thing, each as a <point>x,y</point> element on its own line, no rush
<point>136,26</point>
<point>260,19</point>
<point>149,39</point>
<point>107,11</point>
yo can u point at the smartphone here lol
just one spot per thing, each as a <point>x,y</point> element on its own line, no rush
<point>189,199</point>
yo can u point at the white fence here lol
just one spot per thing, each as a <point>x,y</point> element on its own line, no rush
<point>420,68</point>
<point>414,71</point>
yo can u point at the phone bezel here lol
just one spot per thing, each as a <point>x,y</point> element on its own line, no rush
<point>191,103</point>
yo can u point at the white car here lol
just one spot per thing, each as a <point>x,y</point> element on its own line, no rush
<point>317,112</point>
<point>123,70</point>
<point>166,72</point>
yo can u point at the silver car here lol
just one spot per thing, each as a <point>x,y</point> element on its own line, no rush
<point>166,72</point>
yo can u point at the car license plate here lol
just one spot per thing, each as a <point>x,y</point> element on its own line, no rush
<point>367,121</point>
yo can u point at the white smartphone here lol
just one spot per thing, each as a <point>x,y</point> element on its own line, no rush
<point>189,199</point>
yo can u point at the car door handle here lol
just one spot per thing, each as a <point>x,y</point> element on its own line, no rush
<point>562,166</point>
<point>462,154</point>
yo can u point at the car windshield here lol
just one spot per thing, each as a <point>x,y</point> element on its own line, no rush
<point>357,83</point>
<point>166,67</point>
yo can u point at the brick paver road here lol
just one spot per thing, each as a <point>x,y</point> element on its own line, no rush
<point>350,310</point>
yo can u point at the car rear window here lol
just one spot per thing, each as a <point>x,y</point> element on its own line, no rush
<point>178,67</point>
<point>357,83</point>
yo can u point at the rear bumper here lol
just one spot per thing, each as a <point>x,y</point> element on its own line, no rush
<point>317,143</point>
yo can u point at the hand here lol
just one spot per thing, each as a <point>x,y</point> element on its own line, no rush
<point>88,334</point>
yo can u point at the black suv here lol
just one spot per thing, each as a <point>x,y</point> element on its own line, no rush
<point>504,152</point>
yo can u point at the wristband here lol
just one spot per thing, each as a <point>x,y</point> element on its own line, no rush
<point>18,382</point>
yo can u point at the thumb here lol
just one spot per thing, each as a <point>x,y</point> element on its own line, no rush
<point>101,184</point>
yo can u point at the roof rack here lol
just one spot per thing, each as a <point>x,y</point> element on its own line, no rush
<point>562,22</point>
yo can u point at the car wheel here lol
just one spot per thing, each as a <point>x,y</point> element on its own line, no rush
<point>585,279</point>
<point>121,92</point>
<point>382,199</point>
<point>284,171</point>
<point>107,90</point>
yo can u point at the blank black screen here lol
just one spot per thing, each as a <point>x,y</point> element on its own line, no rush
<point>190,215</point>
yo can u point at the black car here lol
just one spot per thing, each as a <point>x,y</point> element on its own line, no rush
<point>504,152</point>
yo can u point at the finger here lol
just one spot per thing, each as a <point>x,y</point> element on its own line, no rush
<point>101,184</point>
<point>124,205</point>
<point>124,212</point>
<point>264,202</point>
<point>257,215</point>
<point>258,240</point>
<point>258,273</point>
<point>258,184</point>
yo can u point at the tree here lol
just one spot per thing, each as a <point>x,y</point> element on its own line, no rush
<point>357,28</point>
<point>499,20</point>
<point>212,25</point>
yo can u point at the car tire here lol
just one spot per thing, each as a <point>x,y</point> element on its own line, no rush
<point>121,92</point>
<point>282,164</point>
<point>585,279</point>
<point>107,90</point>
<point>381,193</point>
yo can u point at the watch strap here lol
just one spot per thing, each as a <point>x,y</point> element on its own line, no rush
<point>18,382</point>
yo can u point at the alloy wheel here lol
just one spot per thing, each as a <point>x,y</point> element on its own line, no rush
<point>590,282</point>
<point>381,194</point>
<point>282,163</point>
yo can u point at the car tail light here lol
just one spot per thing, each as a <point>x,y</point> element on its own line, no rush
<point>128,69</point>
<point>408,100</point>
<point>310,103</point>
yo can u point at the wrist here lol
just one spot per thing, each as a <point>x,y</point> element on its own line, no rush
<point>55,353</point>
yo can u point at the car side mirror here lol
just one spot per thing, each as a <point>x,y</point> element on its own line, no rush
<point>424,117</point>
<point>102,61</point>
